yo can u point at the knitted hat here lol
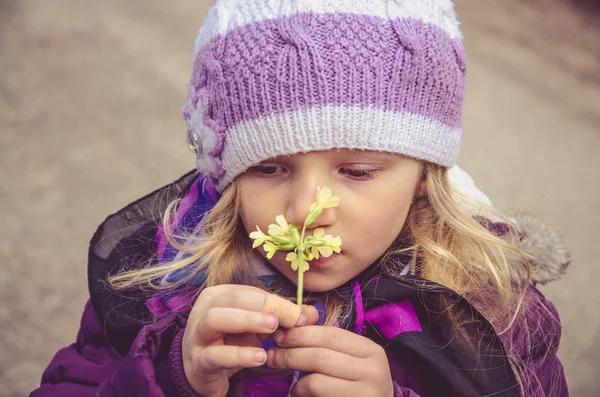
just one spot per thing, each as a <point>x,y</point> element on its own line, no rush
<point>275,77</point>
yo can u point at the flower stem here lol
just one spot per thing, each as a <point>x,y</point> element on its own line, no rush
<point>300,278</point>
<point>301,266</point>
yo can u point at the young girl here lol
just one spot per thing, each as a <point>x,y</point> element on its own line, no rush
<point>432,294</point>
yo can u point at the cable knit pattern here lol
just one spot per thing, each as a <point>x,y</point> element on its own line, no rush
<point>287,76</point>
<point>227,15</point>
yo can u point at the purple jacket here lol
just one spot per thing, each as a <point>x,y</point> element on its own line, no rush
<point>123,350</point>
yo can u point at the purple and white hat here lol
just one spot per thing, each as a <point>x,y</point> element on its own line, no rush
<point>276,77</point>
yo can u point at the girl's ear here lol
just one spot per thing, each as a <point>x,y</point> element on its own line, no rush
<point>421,188</point>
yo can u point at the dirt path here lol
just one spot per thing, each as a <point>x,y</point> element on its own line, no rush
<point>90,95</point>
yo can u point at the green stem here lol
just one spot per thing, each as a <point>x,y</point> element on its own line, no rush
<point>301,266</point>
<point>303,231</point>
<point>300,279</point>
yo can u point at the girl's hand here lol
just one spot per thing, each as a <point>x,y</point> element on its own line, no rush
<point>225,332</point>
<point>341,363</point>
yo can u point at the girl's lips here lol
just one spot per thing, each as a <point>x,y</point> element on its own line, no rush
<point>322,261</point>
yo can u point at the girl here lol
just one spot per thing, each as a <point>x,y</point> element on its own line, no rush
<point>433,293</point>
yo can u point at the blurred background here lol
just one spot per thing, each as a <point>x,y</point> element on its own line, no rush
<point>90,99</point>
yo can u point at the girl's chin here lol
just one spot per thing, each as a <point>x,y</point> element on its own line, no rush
<point>315,281</point>
<point>322,283</point>
<point>324,275</point>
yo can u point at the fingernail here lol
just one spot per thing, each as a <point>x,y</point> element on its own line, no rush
<point>279,337</point>
<point>301,320</point>
<point>260,356</point>
<point>272,322</point>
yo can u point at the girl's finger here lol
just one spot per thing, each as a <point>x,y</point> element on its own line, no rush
<point>253,299</point>
<point>312,359</point>
<point>322,385</point>
<point>219,357</point>
<point>248,339</point>
<point>332,338</point>
<point>219,321</point>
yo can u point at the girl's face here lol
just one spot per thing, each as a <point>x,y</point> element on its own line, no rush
<point>375,189</point>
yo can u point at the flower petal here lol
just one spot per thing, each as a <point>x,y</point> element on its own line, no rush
<point>335,242</point>
<point>315,252</point>
<point>326,251</point>
<point>291,256</point>
<point>323,194</point>
<point>332,202</point>
<point>305,267</point>
<point>257,243</point>
<point>319,232</point>
<point>257,233</point>
<point>274,230</point>
<point>270,249</point>
<point>281,221</point>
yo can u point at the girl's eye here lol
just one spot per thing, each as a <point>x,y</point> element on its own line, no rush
<point>359,174</point>
<point>267,169</point>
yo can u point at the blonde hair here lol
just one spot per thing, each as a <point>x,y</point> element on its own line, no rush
<point>446,243</point>
<point>454,249</point>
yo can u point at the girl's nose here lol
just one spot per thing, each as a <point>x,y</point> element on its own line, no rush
<point>298,207</point>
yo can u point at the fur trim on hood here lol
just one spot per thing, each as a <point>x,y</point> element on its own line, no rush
<point>548,257</point>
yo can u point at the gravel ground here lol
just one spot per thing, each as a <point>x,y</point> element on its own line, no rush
<point>90,98</point>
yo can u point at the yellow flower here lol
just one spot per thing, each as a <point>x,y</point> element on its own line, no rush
<point>283,236</point>
<point>335,244</point>
<point>326,244</point>
<point>318,233</point>
<point>282,228</point>
<point>323,251</point>
<point>259,237</point>
<point>324,199</point>
<point>293,258</point>
<point>270,249</point>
